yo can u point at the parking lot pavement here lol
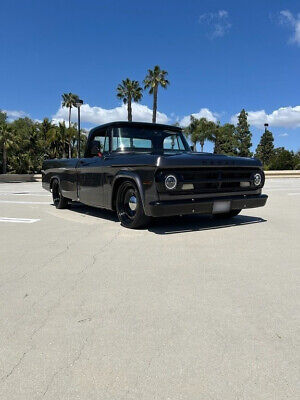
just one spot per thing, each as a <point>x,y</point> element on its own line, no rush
<point>191,308</point>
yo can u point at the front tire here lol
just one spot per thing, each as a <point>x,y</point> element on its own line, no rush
<point>230,214</point>
<point>129,206</point>
<point>59,200</point>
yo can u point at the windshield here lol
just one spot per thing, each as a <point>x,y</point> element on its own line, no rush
<point>140,139</point>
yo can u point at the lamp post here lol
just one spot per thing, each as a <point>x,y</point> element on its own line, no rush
<point>266,127</point>
<point>78,104</point>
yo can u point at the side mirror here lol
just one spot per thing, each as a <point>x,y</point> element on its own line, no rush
<point>192,148</point>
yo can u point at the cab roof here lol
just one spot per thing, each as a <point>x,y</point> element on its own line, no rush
<point>137,125</point>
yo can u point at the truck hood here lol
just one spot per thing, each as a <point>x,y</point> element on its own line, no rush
<point>192,159</point>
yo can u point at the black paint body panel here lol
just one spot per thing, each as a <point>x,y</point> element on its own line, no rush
<point>93,180</point>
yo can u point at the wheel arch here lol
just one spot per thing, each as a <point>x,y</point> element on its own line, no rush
<point>123,176</point>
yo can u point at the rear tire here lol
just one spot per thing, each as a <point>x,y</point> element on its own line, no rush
<point>129,207</point>
<point>230,214</point>
<point>59,200</point>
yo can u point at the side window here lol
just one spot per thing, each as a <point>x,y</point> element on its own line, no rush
<point>99,141</point>
<point>172,143</point>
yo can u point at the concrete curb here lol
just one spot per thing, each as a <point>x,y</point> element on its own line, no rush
<point>7,178</point>
<point>283,174</point>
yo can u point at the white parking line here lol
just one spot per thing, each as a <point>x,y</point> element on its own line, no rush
<point>24,194</point>
<point>23,202</point>
<point>278,189</point>
<point>19,220</point>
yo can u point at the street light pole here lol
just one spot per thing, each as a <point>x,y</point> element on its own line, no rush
<point>266,126</point>
<point>78,105</point>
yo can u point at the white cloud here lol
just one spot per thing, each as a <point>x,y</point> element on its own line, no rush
<point>284,134</point>
<point>203,113</point>
<point>13,114</point>
<point>97,115</point>
<point>286,117</point>
<point>218,23</point>
<point>286,17</point>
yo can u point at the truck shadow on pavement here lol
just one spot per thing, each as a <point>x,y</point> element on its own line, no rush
<point>172,225</point>
<point>93,211</point>
<point>196,223</point>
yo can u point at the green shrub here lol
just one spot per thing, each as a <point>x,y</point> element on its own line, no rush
<point>282,159</point>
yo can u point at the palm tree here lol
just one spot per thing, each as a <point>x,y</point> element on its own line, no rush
<point>57,140</point>
<point>200,130</point>
<point>206,131</point>
<point>155,78</point>
<point>43,129</point>
<point>6,140</point>
<point>71,135</point>
<point>62,135</point>
<point>191,131</point>
<point>129,91</point>
<point>69,101</point>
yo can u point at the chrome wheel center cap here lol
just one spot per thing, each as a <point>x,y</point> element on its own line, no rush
<point>132,203</point>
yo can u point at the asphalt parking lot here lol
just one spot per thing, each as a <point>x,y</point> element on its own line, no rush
<point>189,309</point>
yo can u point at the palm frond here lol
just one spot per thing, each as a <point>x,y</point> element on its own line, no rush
<point>129,89</point>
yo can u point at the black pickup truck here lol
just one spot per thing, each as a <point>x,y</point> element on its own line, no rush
<point>144,170</point>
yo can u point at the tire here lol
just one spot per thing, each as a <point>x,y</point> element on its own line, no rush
<point>129,206</point>
<point>59,200</point>
<point>230,214</point>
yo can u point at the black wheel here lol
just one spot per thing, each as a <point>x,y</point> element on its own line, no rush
<point>230,214</point>
<point>58,199</point>
<point>129,206</point>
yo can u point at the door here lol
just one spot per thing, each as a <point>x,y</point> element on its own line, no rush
<point>90,170</point>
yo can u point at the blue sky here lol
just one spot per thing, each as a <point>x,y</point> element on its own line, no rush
<point>221,56</point>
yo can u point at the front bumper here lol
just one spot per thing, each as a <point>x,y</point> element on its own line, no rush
<point>204,206</point>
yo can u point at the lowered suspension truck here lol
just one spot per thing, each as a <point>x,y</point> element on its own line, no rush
<point>144,170</point>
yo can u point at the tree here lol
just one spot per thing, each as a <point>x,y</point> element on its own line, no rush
<point>69,101</point>
<point>3,117</point>
<point>35,150</point>
<point>297,160</point>
<point>43,129</point>
<point>225,140</point>
<point>243,135</point>
<point>282,159</point>
<point>6,140</point>
<point>191,131</point>
<point>62,135</point>
<point>199,130</point>
<point>57,140</point>
<point>71,135</point>
<point>206,131</point>
<point>129,91</point>
<point>265,148</point>
<point>152,81</point>
<point>26,154</point>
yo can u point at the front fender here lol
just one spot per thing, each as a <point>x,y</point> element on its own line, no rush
<point>132,176</point>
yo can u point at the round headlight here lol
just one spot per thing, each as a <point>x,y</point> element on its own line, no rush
<point>171,182</point>
<point>257,179</point>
